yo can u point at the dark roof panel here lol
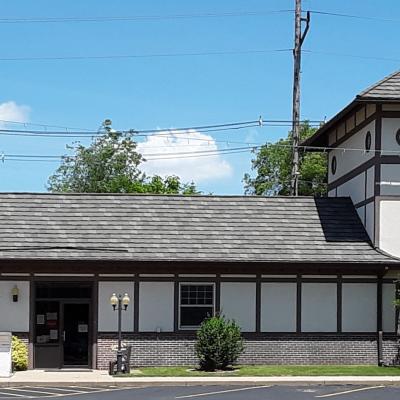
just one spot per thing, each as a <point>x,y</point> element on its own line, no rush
<point>182,228</point>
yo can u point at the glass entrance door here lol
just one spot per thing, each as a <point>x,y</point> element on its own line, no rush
<point>62,322</point>
<point>76,334</point>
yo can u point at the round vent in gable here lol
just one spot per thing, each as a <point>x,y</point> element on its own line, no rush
<point>398,136</point>
<point>368,141</point>
<point>333,165</point>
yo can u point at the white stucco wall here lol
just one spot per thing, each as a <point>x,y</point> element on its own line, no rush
<point>278,306</point>
<point>355,188</point>
<point>156,306</point>
<point>389,128</point>
<point>319,307</point>
<point>390,179</point>
<point>348,160</point>
<point>389,226</point>
<point>108,319</point>
<point>388,310</point>
<point>238,302</point>
<point>14,317</point>
<point>359,307</point>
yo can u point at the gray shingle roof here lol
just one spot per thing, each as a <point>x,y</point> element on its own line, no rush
<point>180,228</point>
<point>386,89</point>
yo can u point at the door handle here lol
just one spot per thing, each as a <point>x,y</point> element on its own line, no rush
<point>63,336</point>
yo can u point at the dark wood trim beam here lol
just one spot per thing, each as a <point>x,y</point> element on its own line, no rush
<point>298,305</point>
<point>217,294</point>
<point>258,304</point>
<point>390,114</point>
<point>364,202</point>
<point>378,147</point>
<point>354,172</point>
<point>176,306</point>
<point>379,321</point>
<point>95,315</point>
<point>339,304</point>
<point>31,337</point>
<point>136,294</point>
<point>388,159</point>
<point>183,267</point>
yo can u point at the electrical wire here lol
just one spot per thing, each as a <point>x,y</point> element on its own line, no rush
<point>67,128</point>
<point>159,17</point>
<point>14,20</point>
<point>150,55</point>
<point>327,53</point>
<point>353,16</point>
<point>193,54</point>
<point>165,131</point>
<point>203,153</point>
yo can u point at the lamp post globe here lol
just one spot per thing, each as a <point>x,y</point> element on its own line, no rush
<point>125,301</point>
<point>119,303</point>
<point>114,301</point>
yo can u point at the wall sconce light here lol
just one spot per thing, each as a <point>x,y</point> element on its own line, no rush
<point>15,293</point>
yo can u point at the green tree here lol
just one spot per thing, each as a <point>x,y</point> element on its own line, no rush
<point>110,164</point>
<point>273,164</point>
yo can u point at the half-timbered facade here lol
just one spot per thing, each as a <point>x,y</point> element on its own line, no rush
<point>299,275</point>
<point>363,142</point>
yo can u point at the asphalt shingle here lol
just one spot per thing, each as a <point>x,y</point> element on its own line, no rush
<point>183,228</point>
<point>386,89</point>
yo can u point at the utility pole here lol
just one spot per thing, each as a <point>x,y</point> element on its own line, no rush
<point>298,41</point>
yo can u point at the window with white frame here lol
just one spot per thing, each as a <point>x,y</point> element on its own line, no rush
<point>196,302</point>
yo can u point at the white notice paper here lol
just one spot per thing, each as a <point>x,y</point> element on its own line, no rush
<point>82,328</point>
<point>53,334</point>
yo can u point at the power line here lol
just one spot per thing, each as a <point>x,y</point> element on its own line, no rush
<point>159,17</point>
<point>191,54</point>
<point>203,153</point>
<point>67,128</point>
<point>140,18</point>
<point>43,125</point>
<point>165,131</point>
<point>150,55</point>
<point>327,53</point>
<point>354,16</point>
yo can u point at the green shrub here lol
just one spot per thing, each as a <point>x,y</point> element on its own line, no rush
<point>19,353</point>
<point>219,343</point>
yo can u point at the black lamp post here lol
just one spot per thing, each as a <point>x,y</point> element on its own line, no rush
<point>119,303</point>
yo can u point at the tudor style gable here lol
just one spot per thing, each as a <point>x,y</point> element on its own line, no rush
<point>363,143</point>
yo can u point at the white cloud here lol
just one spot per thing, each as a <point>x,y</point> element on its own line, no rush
<point>11,111</point>
<point>168,153</point>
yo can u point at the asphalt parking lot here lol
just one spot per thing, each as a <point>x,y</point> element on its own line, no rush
<point>343,392</point>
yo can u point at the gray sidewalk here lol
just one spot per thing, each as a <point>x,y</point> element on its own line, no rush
<point>101,378</point>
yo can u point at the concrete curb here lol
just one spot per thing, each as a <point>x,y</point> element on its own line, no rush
<point>198,381</point>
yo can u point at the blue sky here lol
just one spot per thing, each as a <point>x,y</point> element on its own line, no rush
<point>170,92</point>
